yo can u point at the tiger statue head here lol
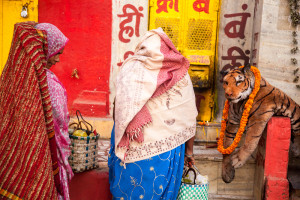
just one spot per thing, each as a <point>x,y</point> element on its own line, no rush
<point>238,84</point>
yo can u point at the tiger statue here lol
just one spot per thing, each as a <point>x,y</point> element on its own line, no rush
<point>238,85</point>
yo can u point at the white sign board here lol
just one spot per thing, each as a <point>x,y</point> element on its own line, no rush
<point>130,23</point>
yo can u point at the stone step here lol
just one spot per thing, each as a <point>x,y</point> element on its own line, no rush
<point>91,104</point>
<point>228,197</point>
<point>209,162</point>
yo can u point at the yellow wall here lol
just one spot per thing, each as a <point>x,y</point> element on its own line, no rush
<point>10,13</point>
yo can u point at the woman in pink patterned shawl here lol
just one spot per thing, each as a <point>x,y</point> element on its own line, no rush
<point>56,43</point>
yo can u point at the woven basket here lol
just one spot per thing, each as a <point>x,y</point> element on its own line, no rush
<point>84,153</point>
<point>84,150</point>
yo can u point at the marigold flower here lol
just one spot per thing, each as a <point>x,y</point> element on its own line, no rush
<point>244,118</point>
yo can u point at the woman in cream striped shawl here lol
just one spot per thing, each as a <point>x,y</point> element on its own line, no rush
<point>155,121</point>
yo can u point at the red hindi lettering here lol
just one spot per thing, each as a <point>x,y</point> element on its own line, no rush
<point>129,11</point>
<point>237,27</point>
<point>163,5</point>
<point>201,6</point>
<point>234,54</point>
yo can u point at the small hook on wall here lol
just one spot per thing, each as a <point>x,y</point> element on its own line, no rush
<point>75,74</point>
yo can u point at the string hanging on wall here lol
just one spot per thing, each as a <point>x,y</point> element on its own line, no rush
<point>295,20</point>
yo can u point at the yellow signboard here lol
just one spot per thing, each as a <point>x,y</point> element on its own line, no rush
<point>10,13</point>
<point>192,26</point>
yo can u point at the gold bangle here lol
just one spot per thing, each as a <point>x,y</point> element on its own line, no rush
<point>189,156</point>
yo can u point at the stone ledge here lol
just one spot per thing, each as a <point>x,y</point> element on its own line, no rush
<point>208,133</point>
<point>212,154</point>
<point>227,197</point>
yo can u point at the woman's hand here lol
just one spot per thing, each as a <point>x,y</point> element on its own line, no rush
<point>189,160</point>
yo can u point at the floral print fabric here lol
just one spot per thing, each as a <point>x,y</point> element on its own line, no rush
<point>61,120</point>
<point>56,39</point>
<point>158,177</point>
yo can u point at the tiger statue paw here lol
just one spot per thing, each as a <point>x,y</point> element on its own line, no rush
<point>228,171</point>
<point>238,159</point>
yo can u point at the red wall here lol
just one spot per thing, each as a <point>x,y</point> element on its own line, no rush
<point>88,25</point>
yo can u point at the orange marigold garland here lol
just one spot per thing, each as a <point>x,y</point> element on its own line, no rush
<point>202,123</point>
<point>244,118</point>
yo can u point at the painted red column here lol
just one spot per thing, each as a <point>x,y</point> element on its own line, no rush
<point>277,158</point>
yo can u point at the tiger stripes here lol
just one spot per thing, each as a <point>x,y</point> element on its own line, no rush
<point>269,101</point>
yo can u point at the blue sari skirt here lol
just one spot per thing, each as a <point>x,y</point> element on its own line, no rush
<point>158,177</point>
